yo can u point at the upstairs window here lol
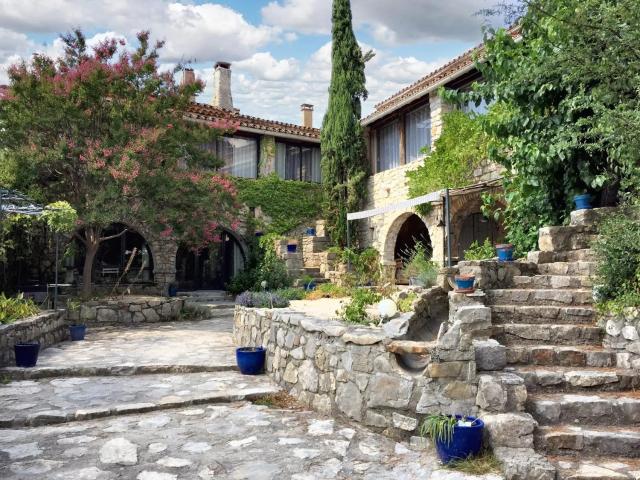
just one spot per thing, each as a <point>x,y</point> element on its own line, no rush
<point>417,133</point>
<point>388,147</point>
<point>297,162</point>
<point>239,154</point>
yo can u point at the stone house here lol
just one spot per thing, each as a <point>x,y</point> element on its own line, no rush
<point>396,132</point>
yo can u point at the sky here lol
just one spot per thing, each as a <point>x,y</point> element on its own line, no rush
<point>280,50</point>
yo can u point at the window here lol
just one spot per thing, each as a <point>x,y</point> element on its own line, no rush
<point>481,109</point>
<point>388,147</point>
<point>240,155</point>
<point>418,133</point>
<point>295,162</point>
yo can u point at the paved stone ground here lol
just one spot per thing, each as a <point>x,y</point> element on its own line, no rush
<point>162,402</point>
<point>234,441</point>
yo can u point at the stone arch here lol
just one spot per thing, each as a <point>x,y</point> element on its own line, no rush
<point>468,224</point>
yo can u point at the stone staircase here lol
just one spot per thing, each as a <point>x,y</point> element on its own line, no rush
<point>586,406</point>
<point>209,303</point>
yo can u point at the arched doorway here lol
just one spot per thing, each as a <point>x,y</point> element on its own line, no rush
<point>209,268</point>
<point>477,228</point>
<point>127,256</point>
<point>412,232</point>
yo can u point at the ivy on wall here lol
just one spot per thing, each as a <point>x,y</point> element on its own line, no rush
<point>287,203</point>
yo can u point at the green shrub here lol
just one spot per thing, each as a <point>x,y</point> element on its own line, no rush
<point>364,265</point>
<point>420,266</point>
<point>406,304</point>
<point>617,251</point>
<point>292,293</point>
<point>355,310</point>
<point>15,308</point>
<point>327,290</point>
<point>476,251</point>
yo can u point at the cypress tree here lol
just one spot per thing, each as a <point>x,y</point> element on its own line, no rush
<point>344,164</point>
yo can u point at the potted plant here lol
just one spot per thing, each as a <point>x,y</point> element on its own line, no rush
<point>250,360</point>
<point>457,437</point>
<point>419,268</point>
<point>505,252</point>
<point>173,290</point>
<point>26,354</point>
<point>465,283</point>
<point>292,247</point>
<point>77,332</point>
<point>583,201</point>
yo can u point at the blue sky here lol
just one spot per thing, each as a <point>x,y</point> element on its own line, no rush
<point>279,49</point>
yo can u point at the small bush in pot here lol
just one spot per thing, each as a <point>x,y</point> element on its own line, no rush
<point>419,267</point>
<point>456,437</point>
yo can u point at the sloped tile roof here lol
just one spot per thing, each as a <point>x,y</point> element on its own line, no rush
<point>203,111</point>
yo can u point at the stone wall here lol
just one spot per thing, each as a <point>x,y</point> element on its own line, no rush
<point>46,328</point>
<point>136,309</point>
<point>355,371</point>
<point>621,335</point>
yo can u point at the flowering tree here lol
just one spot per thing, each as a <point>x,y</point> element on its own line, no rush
<point>104,130</point>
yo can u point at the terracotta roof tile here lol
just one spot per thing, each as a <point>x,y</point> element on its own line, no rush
<point>202,111</point>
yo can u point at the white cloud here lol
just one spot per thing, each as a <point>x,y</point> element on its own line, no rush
<point>262,65</point>
<point>389,22</point>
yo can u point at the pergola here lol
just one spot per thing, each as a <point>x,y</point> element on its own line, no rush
<point>13,202</point>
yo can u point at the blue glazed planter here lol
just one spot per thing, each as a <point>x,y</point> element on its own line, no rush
<point>77,332</point>
<point>505,252</point>
<point>173,290</point>
<point>250,360</point>
<point>311,232</point>
<point>464,283</point>
<point>259,234</point>
<point>292,248</point>
<point>583,202</point>
<point>466,442</point>
<point>310,286</point>
<point>26,354</point>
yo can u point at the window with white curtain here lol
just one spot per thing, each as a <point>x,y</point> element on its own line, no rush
<point>295,162</point>
<point>388,147</point>
<point>240,156</point>
<point>417,133</point>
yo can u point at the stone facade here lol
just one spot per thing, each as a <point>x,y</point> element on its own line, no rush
<point>622,336</point>
<point>46,328</point>
<point>136,309</point>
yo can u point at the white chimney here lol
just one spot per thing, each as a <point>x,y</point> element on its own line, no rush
<point>222,86</point>
<point>307,115</point>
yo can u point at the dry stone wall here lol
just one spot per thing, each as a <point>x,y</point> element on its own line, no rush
<point>622,335</point>
<point>46,328</point>
<point>136,309</point>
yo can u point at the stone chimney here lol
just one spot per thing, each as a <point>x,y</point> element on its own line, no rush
<point>307,115</point>
<point>222,86</point>
<point>189,78</point>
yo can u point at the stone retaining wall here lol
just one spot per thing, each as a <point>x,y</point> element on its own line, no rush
<point>47,328</point>
<point>135,309</point>
<point>622,335</point>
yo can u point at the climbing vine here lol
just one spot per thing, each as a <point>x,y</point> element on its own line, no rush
<point>287,203</point>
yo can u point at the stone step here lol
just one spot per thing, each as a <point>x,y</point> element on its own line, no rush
<point>538,314</point>
<point>585,441</point>
<point>59,400</point>
<point>580,255</point>
<point>550,334</point>
<point>590,217</point>
<point>603,408</point>
<point>568,268</point>
<point>543,297</point>
<point>576,379</point>
<point>552,281</point>
<point>596,468</point>
<point>560,356</point>
<point>566,237</point>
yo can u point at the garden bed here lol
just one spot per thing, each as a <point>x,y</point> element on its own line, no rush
<point>133,309</point>
<point>47,328</point>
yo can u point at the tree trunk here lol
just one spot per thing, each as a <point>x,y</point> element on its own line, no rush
<point>92,242</point>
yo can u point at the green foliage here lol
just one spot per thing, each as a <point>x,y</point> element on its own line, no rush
<point>287,203</point>
<point>292,293</point>
<point>462,146</point>
<point>60,217</point>
<point>344,163</point>
<point>567,108</point>
<point>355,310</point>
<point>364,265</point>
<point>327,290</point>
<point>420,266</point>
<point>439,428</point>
<point>617,251</point>
<point>406,304</point>
<point>15,308</point>
<point>476,251</point>
<point>485,463</point>
<point>265,266</point>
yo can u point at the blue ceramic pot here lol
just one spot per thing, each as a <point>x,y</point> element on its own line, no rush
<point>464,283</point>
<point>173,290</point>
<point>250,360</point>
<point>505,252</point>
<point>583,202</point>
<point>77,332</point>
<point>26,354</point>
<point>259,234</point>
<point>292,248</point>
<point>466,442</point>
<point>311,232</point>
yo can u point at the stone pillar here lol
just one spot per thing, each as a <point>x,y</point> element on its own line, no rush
<point>164,263</point>
<point>267,163</point>
<point>438,108</point>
